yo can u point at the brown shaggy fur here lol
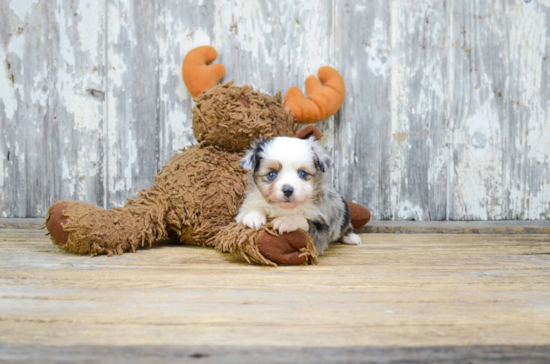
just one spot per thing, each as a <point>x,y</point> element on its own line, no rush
<point>195,197</point>
<point>232,117</point>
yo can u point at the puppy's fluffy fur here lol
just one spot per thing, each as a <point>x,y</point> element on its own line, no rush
<point>287,183</point>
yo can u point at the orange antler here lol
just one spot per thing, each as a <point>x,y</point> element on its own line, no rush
<point>323,99</point>
<point>197,74</point>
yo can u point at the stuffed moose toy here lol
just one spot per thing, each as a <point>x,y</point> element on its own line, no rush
<point>196,196</point>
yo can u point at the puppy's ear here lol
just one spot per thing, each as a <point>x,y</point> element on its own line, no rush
<point>320,157</point>
<point>308,131</point>
<point>252,157</point>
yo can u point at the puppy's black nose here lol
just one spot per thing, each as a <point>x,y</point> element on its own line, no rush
<point>287,190</point>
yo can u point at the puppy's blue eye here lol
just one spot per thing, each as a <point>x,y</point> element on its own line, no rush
<point>302,174</point>
<point>271,175</point>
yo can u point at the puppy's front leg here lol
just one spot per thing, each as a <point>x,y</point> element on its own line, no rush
<point>351,239</point>
<point>286,224</point>
<point>254,219</point>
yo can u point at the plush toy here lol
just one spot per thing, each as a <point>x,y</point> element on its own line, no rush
<point>196,196</point>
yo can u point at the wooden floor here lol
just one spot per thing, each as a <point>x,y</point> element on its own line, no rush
<point>396,297</point>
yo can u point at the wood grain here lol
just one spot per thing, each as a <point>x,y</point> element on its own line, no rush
<point>75,140</point>
<point>132,93</point>
<point>361,128</point>
<point>418,154</point>
<point>210,354</point>
<point>477,115</point>
<point>182,25</point>
<point>388,227</point>
<point>528,167</point>
<point>26,114</point>
<point>394,290</point>
<point>446,115</point>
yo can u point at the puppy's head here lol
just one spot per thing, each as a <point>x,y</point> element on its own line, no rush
<point>287,171</point>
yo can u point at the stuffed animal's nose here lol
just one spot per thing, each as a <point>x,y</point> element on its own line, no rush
<point>287,190</point>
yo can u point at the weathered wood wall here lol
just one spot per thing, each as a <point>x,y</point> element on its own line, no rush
<point>447,112</point>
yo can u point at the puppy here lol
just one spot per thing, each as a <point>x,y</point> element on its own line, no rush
<point>287,183</point>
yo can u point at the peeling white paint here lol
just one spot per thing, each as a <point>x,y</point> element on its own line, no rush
<point>423,133</point>
<point>175,100</point>
<point>90,19</point>
<point>7,94</point>
<point>130,169</point>
<point>68,177</point>
<point>481,167</point>
<point>408,211</point>
<point>528,49</point>
<point>78,90</point>
<point>65,47</point>
<point>245,15</point>
<point>360,8</point>
<point>530,192</point>
<point>377,52</point>
<point>5,172</point>
<point>85,112</point>
<point>21,8</point>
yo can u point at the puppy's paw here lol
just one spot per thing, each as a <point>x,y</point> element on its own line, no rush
<point>286,224</point>
<point>351,239</point>
<point>254,219</point>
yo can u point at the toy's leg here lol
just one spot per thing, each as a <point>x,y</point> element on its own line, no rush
<point>265,246</point>
<point>359,214</point>
<point>81,228</point>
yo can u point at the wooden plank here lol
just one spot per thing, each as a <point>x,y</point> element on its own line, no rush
<point>391,227</point>
<point>457,227</point>
<point>76,140</point>
<point>446,116</point>
<point>275,45</point>
<point>528,152</point>
<point>21,223</point>
<point>266,44</point>
<point>418,154</point>
<point>478,111</point>
<point>394,290</point>
<point>182,25</point>
<point>262,354</point>
<point>132,126</point>
<point>362,48</point>
<point>25,112</point>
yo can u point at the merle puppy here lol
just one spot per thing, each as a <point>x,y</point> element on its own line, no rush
<point>287,184</point>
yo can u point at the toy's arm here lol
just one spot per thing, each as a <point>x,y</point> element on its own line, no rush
<point>264,245</point>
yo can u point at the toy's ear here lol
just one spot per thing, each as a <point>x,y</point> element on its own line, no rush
<point>198,74</point>
<point>324,97</point>
<point>253,156</point>
<point>310,130</point>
